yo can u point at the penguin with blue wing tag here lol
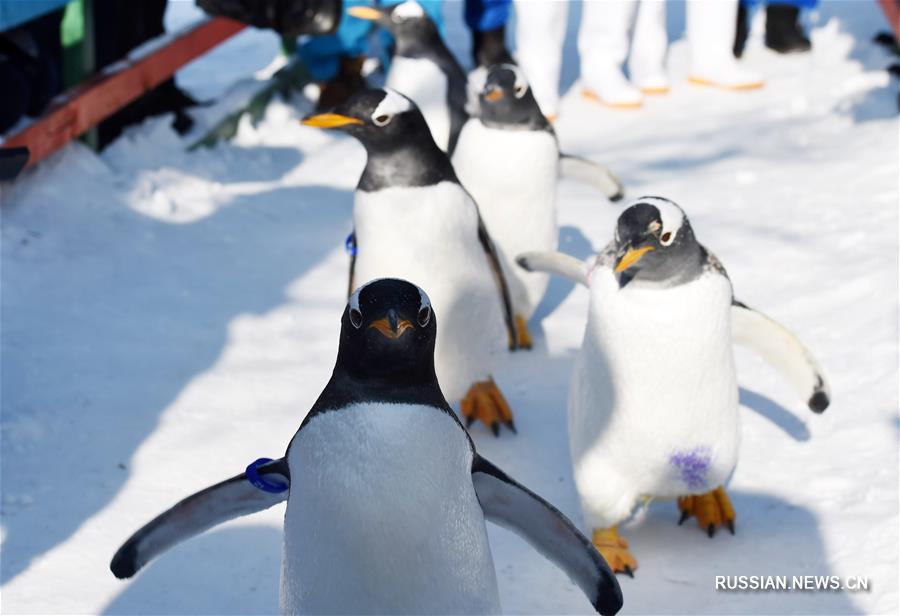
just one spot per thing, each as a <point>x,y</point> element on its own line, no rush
<point>653,407</point>
<point>508,158</point>
<point>386,496</point>
<point>413,220</point>
<point>422,68</point>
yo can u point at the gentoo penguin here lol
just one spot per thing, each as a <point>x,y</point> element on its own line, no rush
<point>423,68</point>
<point>414,220</point>
<point>653,408</point>
<point>508,158</point>
<point>386,495</point>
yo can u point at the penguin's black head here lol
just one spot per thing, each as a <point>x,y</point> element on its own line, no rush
<point>407,21</point>
<point>381,119</point>
<point>505,100</point>
<point>388,331</point>
<point>655,243</point>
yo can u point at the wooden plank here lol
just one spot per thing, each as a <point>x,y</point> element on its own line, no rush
<point>77,110</point>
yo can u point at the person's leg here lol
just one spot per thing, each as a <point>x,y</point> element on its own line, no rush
<point>648,48</point>
<point>742,31</point>
<point>540,33</point>
<point>322,54</point>
<point>603,41</point>
<point>710,29</point>
<point>16,93</point>
<point>487,22</point>
<point>783,31</point>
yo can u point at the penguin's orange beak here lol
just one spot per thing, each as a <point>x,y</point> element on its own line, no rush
<point>494,95</point>
<point>383,326</point>
<point>631,257</point>
<point>364,12</point>
<point>329,120</point>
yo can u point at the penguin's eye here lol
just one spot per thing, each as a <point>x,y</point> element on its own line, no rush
<point>520,91</point>
<point>382,120</point>
<point>424,316</point>
<point>355,318</point>
<point>666,238</point>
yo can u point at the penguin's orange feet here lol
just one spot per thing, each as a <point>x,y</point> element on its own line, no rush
<point>614,550</point>
<point>713,510</point>
<point>522,332</point>
<point>485,403</point>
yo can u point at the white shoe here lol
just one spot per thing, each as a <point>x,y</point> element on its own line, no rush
<point>647,60</point>
<point>603,41</point>
<point>730,76</point>
<point>656,83</point>
<point>540,35</point>
<point>711,26</point>
<point>610,87</point>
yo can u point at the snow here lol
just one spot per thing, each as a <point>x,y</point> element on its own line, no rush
<point>168,317</point>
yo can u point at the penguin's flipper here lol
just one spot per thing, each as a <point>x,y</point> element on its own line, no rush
<point>457,93</point>
<point>783,351</point>
<point>197,513</point>
<point>491,251</point>
<point>557,263</point>
<point>457,103</point>
<point>511,505</point>
<point>593,173</point>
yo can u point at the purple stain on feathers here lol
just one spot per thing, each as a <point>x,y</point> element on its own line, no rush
<point>692,465</point>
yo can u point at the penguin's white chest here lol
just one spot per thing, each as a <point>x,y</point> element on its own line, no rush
<point>426,84</point>
<point>512,175</point>
<point>654,395</point>
<point>383,518</point>
<point>429,236</point>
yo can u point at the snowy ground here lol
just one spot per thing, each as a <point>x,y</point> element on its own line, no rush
<point>167,318</point>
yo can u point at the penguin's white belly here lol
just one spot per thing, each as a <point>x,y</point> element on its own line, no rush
<point>429,236</point>
<point>383,518</point>
<point>426,84</point>
<point>512,175</point>
<point>654,401</point>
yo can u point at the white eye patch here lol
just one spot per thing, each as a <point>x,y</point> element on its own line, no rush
<point>353,302</point>
<point>672,216</point>
<point>520,85</point>
<point>408,10</point>
<point>424,301</point>
<point>392,104</point>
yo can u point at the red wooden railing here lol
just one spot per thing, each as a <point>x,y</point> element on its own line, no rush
<point>74,112</point>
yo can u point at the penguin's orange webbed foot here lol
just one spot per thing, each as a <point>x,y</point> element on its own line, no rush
<point>525,341</point>
<point>614,550</point>
<point>712,510</point>
<point>485,402</point>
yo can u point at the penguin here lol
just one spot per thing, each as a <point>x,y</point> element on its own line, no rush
<point>508,158</point>
<point>386,495</point>
<point>413,220</point>
<point>423,68</point>
<point>653,405</point>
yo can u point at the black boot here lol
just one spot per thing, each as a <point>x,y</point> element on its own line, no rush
<point>489,47</point>
<point>783,31</point>
<point>342,86</point>
<point>741,32</point>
